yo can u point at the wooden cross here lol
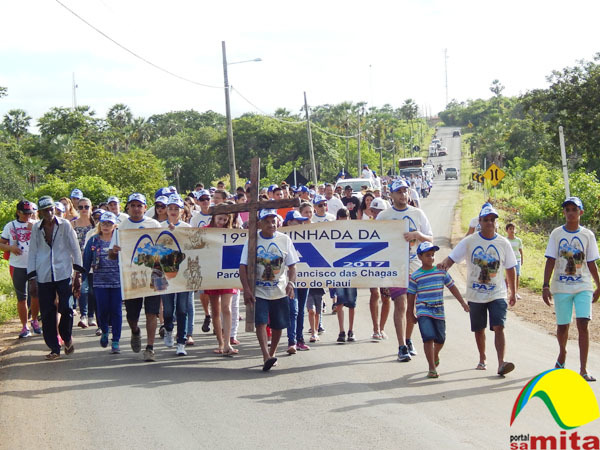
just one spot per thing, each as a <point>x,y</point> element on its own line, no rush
<point>253,205</point>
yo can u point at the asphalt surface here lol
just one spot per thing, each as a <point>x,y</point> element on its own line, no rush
<point>353,395</point>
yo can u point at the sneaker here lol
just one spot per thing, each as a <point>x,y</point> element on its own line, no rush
<point>292,350</point>
<point>411,347</point>
<point>104,340</point>
<point>351,337</point>
<point>149,355</point>
<point>98,332</point>
<point>92,322</point>
<point>403,354</point>
<point>36,327</point>
<point>52,356</point>
<point>25,333</point>
<point>376,336</point>
<point>69,348</point>
<point>136,342</point>
<point>315,338</point>
<point>206,324</point>
<point>161,331</point>
<point>189,341</point>
<point>321,330</point>
<point>302,346</point>
<point>115,349</point>
<point>342,337</point>
<point>181,350</point>
<point>169,339</point>
<point>83,322</point>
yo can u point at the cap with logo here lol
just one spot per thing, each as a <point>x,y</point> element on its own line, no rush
<point>113,199</point>
<point>378,203</point>
<point>162,199</point>
<point>399,184</point>
<point>272,188</point>
<point>76,193</point>
<point>162,192</point>
<point>175,199</point>
<point>137,197</point>
<point>575,200</point>
<point>294,215</point>
<point>59,206</point>
<point>45,202</point>
<point>98,212</point>
<point>488,209</point>
<point>25,206</point>
<point>108,217</point>
<point>264,213</point>
<point>426,247</point>
<point>302,189</point>
<point>319,199</point>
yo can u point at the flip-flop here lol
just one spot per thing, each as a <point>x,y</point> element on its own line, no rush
<point>218,351</point>
<point>506,368</point>
<point>433,374</point>
<point>559,365</point>
<point>589,378</point>
<point>437,362</point>
<point>268,364</point>
<point>230,353</point>
<point>481,366</point>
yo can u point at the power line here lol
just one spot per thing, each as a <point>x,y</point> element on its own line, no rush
<point>131,52</point>
<point>291,122</point>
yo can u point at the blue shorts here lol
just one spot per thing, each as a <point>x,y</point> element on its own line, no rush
<point>346,297</point>
<point>563,306</point>
<point>479,312</point>
<point>432,329</point>
<point>276,313</point>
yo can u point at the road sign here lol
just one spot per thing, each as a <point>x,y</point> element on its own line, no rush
<point>477,177</point>
<point>494,174</point>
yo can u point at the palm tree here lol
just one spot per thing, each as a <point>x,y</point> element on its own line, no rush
<point>16,122</point>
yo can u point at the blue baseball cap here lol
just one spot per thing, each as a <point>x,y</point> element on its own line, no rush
<point>294,215</point>
<point>303,189</point>
<point>399,184</point>
<point>108,217</point>
<point>137,197</point>
<point>319,199</point>
<point>162,192</point>
<point>426,247</point>
<point>76,193</point>
<point>575,200</point>
<point>272,188</point>
<point>162,199</point>
<point>264,213</point>
<point>488,209</point>
<point>59,206</point>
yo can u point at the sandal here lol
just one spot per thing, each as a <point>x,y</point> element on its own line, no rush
<point>589,378</point>
<point>558,365</point>
<point>433,374</point>
<point>506,368</point>
<point>437,362</point>
<point>481,366</point>
<point>376,336</point>
<point>218,351</point>
<point>230,353</point>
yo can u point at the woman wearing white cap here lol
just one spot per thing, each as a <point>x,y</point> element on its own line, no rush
<point>183,299</point>
<point>114,206</point>
<point>106,281</point>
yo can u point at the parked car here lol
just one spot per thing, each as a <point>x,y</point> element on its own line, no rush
<point>450,173</point>
<point>443,151</point>
<point>456,133</point>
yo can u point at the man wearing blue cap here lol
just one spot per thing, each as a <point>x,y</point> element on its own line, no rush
<point>572,250</point>
<point>114,206</point>
<point>276,260</point>
<point>490,261</point>
<point>137,207</point>
<point>419,230</point>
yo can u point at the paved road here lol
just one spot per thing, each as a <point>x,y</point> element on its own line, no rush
<point>348,396</point>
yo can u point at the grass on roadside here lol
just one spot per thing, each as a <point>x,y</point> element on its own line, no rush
<point>8,302</point>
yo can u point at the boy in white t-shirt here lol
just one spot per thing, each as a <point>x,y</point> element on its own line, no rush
<point>276,260</point>
<point>489,256</point>
<point>572,250</point>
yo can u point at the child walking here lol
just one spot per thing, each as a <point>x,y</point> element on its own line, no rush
<point>517,246</point>
<point>426,286</point>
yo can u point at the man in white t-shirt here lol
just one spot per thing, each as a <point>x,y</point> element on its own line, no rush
<point>419,230</point>
<point>333,203</point>
<point>137,207</point>
<point>489,257</point>
<point>572,250</point>
<point>366,172</point>
<point>321,214</point>
<point>276,260</point>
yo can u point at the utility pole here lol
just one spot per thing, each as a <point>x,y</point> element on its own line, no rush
<point>310,143</point>
<point>74,93</point>
<point>446,71</point>
<point>230,148</point>
<point>563,154</point>
<point>347,146</point>
<point>358,149</point>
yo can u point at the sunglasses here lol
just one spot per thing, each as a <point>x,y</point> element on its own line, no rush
<point>157,206</point>
<point>80,207</point>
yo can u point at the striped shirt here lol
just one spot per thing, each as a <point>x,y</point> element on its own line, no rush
<point>428,285</point>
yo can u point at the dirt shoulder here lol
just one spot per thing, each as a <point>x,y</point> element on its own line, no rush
<point>530,306</point>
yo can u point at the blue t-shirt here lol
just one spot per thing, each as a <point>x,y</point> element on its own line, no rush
<point>106,271</point>
<point>428,285</point>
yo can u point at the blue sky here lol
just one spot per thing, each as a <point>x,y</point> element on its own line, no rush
<point>376,51</point>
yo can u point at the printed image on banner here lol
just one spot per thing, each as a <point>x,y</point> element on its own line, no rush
<point>332,254</point>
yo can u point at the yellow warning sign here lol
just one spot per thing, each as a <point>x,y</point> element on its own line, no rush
<point>494,174</point>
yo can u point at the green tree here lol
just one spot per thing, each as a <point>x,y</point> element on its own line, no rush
<point>16,122</point>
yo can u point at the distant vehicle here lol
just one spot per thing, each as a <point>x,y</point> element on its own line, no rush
<point>456,133</point>
<point>450,173</point>
<point>433,150</point>
<point>356,184</point>
<point>442,151</point>
<point>410,166</point>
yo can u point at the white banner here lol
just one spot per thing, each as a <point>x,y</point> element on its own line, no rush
<point>361,254</point>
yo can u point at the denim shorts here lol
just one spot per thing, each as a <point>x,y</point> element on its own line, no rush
<point>314,301</point>
<point>276,313</point>
<point>346,297</point>
<point>479,314</point>
<point>432,329</point>
<point>563,306</point>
